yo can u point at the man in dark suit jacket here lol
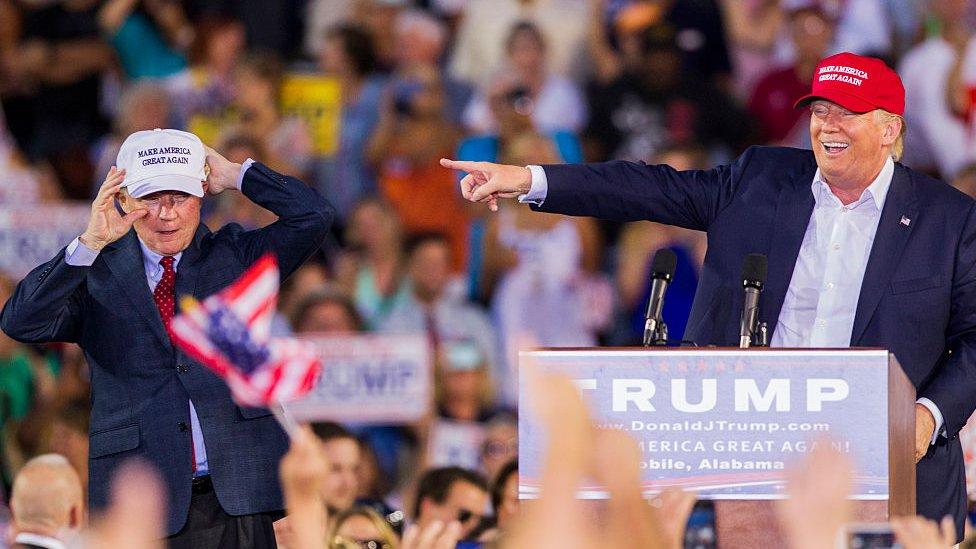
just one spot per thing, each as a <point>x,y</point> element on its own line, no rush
<point>113,292</point>
<point>862,251</point>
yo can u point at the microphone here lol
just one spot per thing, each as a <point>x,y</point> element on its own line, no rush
<point>662,271</point>
<point>753,279</point>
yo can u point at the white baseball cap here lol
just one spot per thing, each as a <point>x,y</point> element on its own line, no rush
<point>163,160</point>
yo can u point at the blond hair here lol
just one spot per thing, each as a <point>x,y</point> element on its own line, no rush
<point>882,117</point>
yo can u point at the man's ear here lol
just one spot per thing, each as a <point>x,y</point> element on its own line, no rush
<point>75,518</point>
<point>123,198</point>
<point>892,129</point>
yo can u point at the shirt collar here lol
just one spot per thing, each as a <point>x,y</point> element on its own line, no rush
<point>39,540</point>
<point>877,190</point>
<point>150,259</point>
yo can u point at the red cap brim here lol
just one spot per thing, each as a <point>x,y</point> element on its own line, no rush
<point>849,101</point>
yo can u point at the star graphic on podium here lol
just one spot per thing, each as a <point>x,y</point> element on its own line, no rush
<point>664,367</point>
<point>682,367</point>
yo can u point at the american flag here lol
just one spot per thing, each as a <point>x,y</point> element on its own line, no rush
<point>229,332</point>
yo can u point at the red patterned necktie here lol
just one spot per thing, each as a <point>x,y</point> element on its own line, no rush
<point>164,293</point>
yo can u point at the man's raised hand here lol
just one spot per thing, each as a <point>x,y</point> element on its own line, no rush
<point>222,173</point>
<point>487,182</point>
<point>106,225</point>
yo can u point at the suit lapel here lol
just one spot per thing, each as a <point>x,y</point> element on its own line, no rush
<point>188,271</point>
<point>793,210</point>
<point>124,259</point>
<point>889,243</point>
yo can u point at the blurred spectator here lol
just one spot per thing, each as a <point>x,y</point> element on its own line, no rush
<point>143,106</point>
<point>20,182</point>
<point>47,503</point>
<point>451,493</point>
<point>464,391</point>
<point>464,400</point>
<point>865,27</point>
<point>411,138</point>
<point>326,311</point>
<point>348,54</point>
<point>544,266</point>
<point>939,93</point>
<point>699,34</point>
<point>636,247</point>
<point>235,207</point>
<point>151,37</point>
<point>269,26</point>
<point>504,501</point>
<point>203,94</point>
<point>373,485</point>
<point>480,47</point>
<point>513,117</point>
<point>553,101</point>
<point>320,16</point>
<point>341,451</point>
<point>811,30</point>
<point>286,140</point>
<point>501,443</point>
<point>362,527</point>
<point>69,437</point>
<point>371,270</point>
<point>433,308</point>
<point>420,41</point>
<point>660,105</point>
<point>378,18</point>
<point>27,386</point>
<point>753,27</point>
<point>306,280</point>
<point>60,57</point>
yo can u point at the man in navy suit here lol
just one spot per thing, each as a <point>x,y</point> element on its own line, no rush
<point>862,251</point>
<point>113,291</point>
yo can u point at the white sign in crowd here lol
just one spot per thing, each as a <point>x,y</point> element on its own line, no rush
<point>32,234</point>
<point>369,378</point>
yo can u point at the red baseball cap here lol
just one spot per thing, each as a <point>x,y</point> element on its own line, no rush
<point>857,83</point>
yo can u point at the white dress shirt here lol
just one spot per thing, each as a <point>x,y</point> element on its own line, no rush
<point>39,540</point>
<point>78,254</point>
<point>821,301</point>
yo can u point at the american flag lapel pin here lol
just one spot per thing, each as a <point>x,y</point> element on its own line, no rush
<point>905,221</point>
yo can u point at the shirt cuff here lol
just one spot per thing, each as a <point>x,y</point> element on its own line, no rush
<point>240,178</point>
<point>79,255</point>
<point>935,413</point>
<point>539,189</point>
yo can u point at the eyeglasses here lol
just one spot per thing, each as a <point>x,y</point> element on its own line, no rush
<point>172,199</point>
<point>465,515</point>
<point>823,110</point>
<point>342,542</point>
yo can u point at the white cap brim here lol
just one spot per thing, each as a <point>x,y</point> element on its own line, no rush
<point>156,183</point>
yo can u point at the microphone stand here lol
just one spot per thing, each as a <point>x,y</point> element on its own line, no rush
<point>655,332</point>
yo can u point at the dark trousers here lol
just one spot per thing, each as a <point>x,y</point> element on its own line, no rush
<point>209,527</point>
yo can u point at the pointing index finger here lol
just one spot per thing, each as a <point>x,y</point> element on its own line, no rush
<point>462,165</point>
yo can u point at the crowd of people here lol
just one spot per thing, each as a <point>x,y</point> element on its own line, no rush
<point>360,99</point>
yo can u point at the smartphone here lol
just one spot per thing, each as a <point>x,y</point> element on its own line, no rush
<point>870,536</point>
<point>700,532</point>
<point>469,545</point>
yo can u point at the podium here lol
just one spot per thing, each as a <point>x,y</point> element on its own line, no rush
<point>727,423</point>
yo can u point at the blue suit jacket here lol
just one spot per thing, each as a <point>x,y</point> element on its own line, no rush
<point>140,383</point>
<point>918,298</point>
